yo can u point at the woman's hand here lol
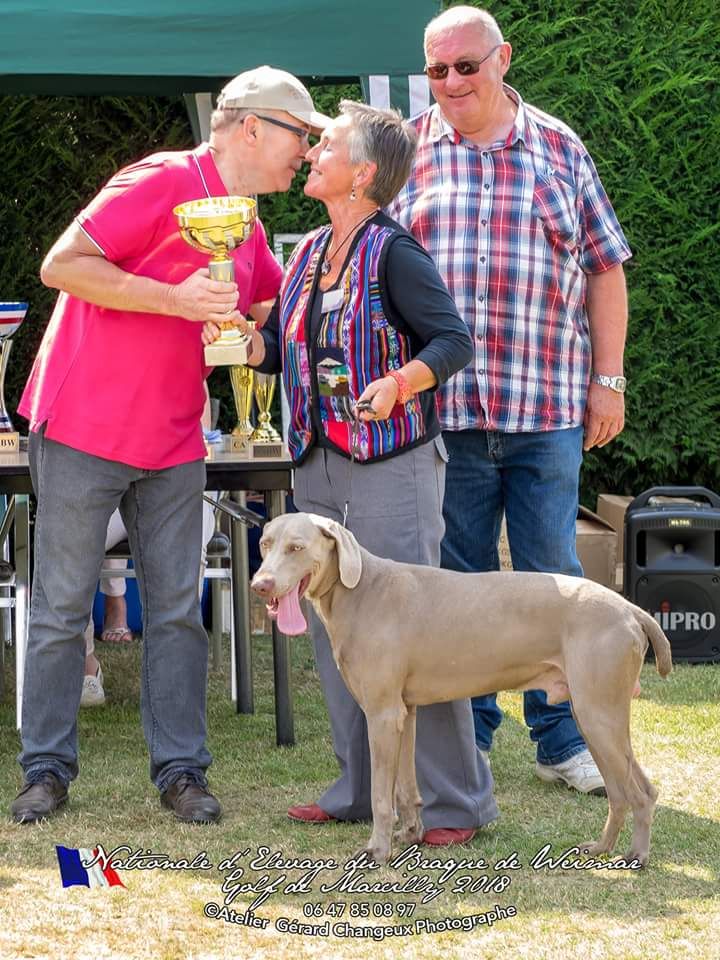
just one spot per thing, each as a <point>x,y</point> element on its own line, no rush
<point>382,394</point>
<point>211,331</point>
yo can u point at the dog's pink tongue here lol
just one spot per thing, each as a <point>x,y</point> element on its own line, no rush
<point>290,619</point>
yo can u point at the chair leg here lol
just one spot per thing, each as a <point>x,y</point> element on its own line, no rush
<point>229,611</point>
<point>242,644</point>
<point>217,622</point>
<point>22,592</point>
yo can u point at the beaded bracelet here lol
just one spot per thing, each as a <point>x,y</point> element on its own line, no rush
<point>405,391</point>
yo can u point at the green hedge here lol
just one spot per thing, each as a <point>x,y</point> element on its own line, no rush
<point>638,81</point>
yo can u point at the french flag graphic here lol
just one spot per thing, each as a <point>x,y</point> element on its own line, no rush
<point>73,873</point>
<point>12,314</point>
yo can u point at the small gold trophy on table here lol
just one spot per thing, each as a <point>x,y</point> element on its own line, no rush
<point>241,379</point>
<point>263,441</point>
<point>217,225</point>
<point>12,314</point>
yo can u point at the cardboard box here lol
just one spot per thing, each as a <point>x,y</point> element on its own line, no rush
<point>596,542</point>
<point>612,507</point>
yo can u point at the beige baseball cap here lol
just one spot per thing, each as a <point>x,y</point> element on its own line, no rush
<point>266,88</point>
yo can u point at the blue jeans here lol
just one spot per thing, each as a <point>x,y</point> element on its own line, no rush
<point>533,477</point>
<point>162,511</point>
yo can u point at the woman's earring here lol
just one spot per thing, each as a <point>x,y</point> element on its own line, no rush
<point>353,195</point>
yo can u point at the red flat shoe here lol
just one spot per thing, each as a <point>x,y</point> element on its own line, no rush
<point>448,836</point>
<point>309,813</point>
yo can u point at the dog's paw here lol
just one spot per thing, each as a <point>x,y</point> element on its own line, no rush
<point>632,858</point>
<point>593,848</point>
<point>410,833</point>
<point>380,855</point>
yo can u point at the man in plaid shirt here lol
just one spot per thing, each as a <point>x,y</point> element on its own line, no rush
<point>508,202</point>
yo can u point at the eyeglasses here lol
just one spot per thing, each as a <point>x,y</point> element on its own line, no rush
<point>465,68</point>
<point>300,132</point>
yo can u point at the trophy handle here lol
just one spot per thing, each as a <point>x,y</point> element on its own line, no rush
<point>222,269</point>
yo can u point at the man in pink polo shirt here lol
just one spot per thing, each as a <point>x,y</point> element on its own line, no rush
<point>114,402</point>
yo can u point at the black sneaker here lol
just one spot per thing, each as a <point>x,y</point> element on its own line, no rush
<point>191,801</point>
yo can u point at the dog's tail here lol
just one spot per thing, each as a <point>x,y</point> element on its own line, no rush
<point>660,643</point>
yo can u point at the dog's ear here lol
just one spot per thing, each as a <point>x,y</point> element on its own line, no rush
<point>348,549</point>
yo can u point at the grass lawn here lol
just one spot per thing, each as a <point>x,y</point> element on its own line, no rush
<point>670,910</point>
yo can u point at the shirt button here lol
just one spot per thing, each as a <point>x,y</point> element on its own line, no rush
<point>481,298</point>
<point>482,259</point>
<point>485,153</point>
<point>487,186</point>
<point>484,222</point>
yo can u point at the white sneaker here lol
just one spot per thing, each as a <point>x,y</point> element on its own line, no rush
<point>93,694</point>
<point>579,772</point>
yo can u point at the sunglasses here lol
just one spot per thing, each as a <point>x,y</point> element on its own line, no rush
<point>300,132</point>
<point>465,68</point>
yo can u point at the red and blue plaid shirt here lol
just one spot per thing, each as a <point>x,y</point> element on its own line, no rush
<point>513,229</point>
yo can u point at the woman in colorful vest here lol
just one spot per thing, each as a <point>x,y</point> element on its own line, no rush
<point>364,317</point>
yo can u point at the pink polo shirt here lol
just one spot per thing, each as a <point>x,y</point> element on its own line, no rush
<point>129,386</point>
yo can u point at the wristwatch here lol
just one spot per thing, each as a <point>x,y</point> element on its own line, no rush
<point>617,384</point>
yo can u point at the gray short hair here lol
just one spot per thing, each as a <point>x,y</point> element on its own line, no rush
<point>222,118</point>
<point>463,16</point>
<point>384,138</point>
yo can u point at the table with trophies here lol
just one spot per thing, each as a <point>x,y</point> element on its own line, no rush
<point>227,470</point>
<point>250,458</point>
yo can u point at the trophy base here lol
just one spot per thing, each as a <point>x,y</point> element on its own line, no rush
<point>219,354</point>
<point>239,443</point>
<point>257,449</point>
<point>267,450</point>
<point>9,442</point>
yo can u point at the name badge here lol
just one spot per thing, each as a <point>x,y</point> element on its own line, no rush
<point>332,300</point>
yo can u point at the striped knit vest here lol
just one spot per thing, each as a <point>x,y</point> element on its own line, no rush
<point>354,345</point>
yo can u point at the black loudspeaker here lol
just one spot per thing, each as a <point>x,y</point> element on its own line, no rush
<point>672,566</point>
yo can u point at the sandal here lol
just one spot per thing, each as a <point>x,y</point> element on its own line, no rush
<point>117,635</point>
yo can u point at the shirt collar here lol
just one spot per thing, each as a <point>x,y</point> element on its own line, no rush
<point>211,175</point>
<point>523,127</point>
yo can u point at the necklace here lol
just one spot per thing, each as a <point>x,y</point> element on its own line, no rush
<point>326,265</point>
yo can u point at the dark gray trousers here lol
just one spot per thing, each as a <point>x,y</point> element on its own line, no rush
<point>162,511</point>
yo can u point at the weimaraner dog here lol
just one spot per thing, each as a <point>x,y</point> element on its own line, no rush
<point>404,635</point>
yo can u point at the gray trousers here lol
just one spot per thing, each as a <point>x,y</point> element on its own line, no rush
<point>395,511</point>
<point>162,511</point>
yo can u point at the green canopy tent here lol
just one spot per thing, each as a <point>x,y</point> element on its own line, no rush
<point>181,46</point>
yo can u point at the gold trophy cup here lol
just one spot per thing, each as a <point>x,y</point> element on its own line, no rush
<point>241,380</point>
<point>217,225</point>
<point>265,441</point>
